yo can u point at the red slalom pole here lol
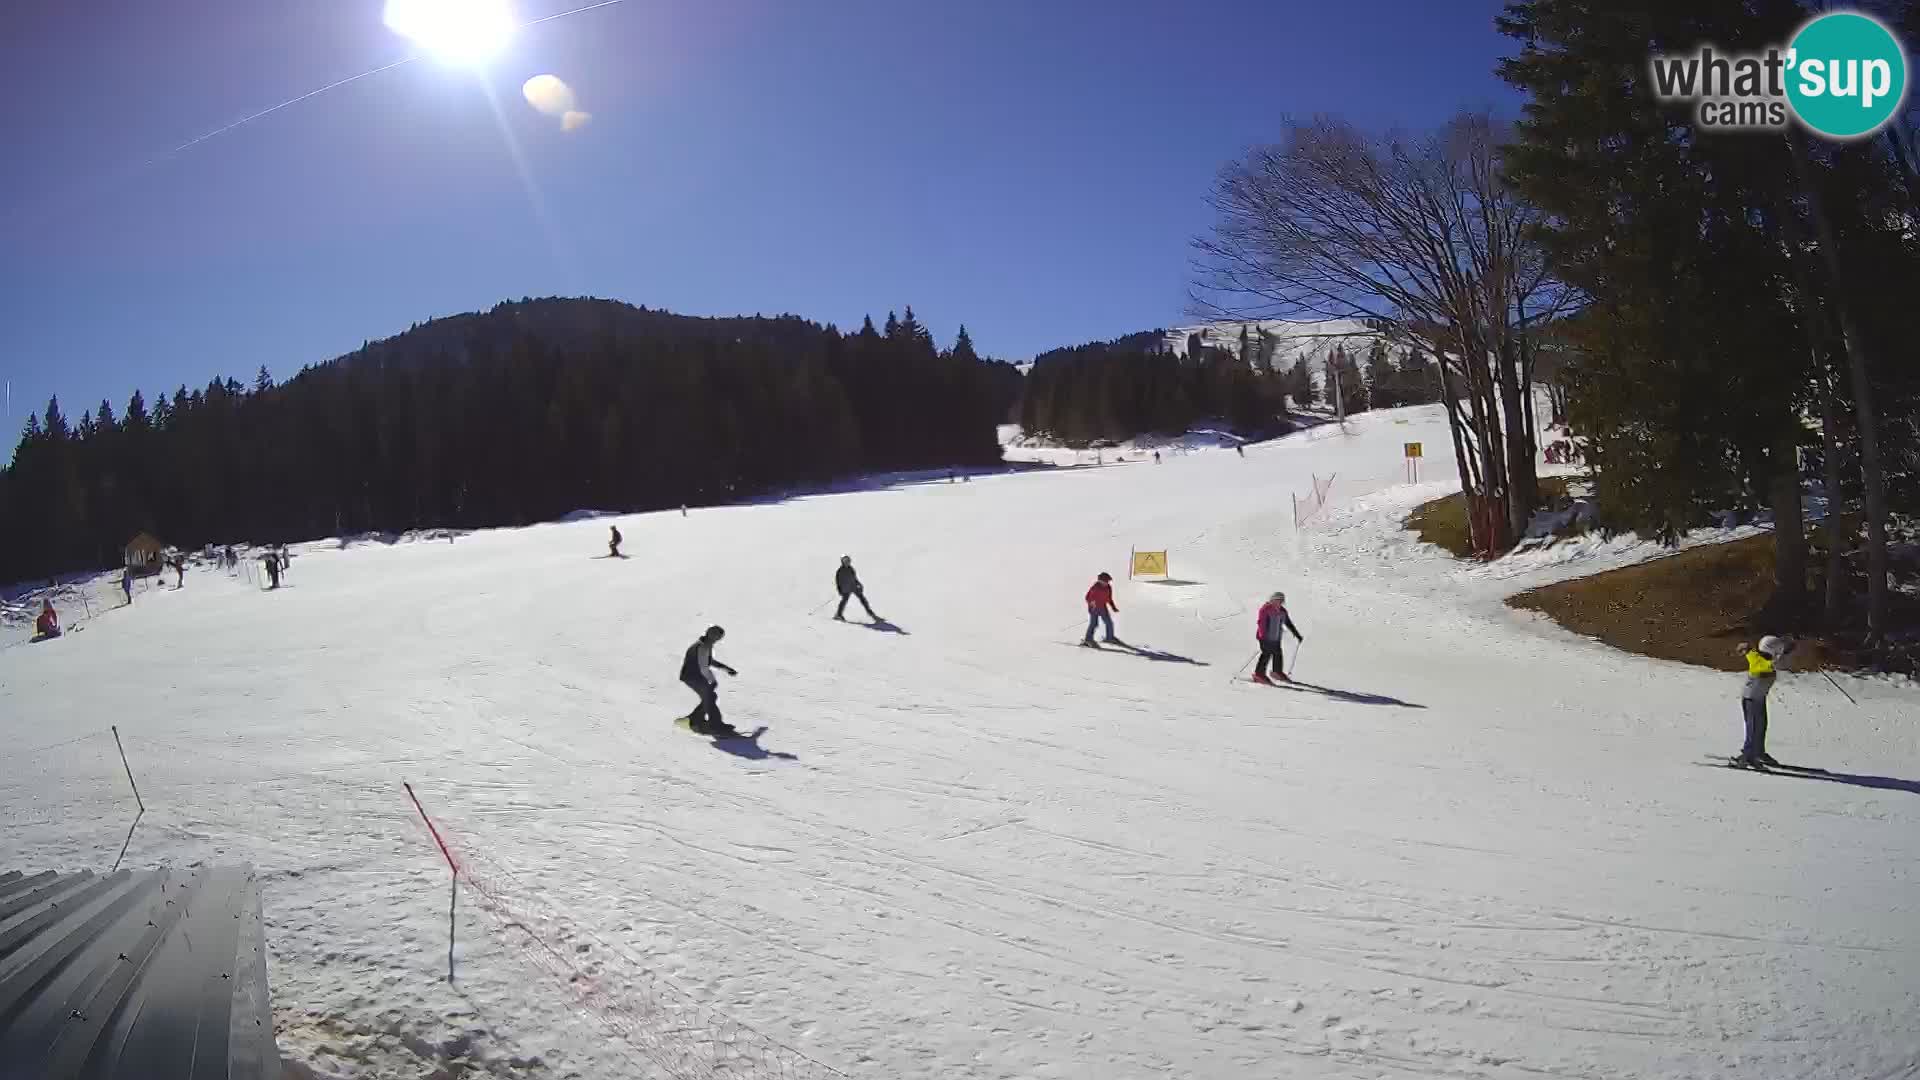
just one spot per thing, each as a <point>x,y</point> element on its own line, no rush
<point>453,889</point>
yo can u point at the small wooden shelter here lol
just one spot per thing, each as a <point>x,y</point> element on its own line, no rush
<point>144,554</point>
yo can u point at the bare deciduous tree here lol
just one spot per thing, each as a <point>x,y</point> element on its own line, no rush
<point>1421,234</point>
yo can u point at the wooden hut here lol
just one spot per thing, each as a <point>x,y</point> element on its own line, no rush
<point>144,554</point>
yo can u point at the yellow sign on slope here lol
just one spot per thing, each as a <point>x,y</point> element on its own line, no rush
<point>1149,564</point>
<point>1413,449</point>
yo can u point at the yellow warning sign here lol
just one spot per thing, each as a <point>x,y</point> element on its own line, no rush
<point>1413,449</point>
<point>1149,564</point>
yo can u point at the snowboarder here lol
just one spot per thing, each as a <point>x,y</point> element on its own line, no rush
<point>1270,630</point>
<point>1099,604</point>
<point>613,542</point>
<point>847,583</point>
<point>696,670</point>
<point>1156,457</point>
<point>48,624</point>
<point>271,560</point>
<point>1753,697</point>
<point>126,584</point>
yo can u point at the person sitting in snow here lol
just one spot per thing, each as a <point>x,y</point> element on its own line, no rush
<point>847,583</point>
<point>48,624</point>
<point>1761,674</point>
<point>1270,630</point>
<point>696,670</point>
<point>1099,604</point>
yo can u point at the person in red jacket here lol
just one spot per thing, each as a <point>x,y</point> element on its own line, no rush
<point>1271,627</point>
<point>1099,603</point>
<point>48,624</point>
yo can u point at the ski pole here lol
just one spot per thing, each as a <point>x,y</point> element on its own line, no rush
<point>1243,666</point>
<point>1298,644</point>
<point>1842,689</point>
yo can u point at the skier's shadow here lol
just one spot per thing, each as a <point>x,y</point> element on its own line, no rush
<point>1882,783</point>
<point>1354,697</point>
<point>1158,654</point>
<point>886,627</point>
<point>612,556</point>
<point>748,748</point>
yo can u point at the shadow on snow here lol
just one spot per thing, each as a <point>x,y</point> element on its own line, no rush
<point>748,747</point>
<point>1353,697</point>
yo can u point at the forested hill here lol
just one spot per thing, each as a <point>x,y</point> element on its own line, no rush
<point>578,323</point>
<point>517,414</point>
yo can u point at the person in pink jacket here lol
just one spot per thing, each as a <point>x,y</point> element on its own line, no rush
<point>1271,628</point>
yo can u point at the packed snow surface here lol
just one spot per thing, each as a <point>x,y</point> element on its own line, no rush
<point>1471,845</point>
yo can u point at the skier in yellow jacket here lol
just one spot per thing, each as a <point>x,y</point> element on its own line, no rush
<point>1761,661</point>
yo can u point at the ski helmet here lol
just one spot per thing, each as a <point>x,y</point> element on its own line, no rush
<point>1772,647</point>
<point>1104,576</point>
<point>846,560</point>
<point>1279,597</point>
<point>715,633</point>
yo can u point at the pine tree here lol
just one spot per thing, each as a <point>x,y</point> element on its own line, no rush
<point>892,332</point>
<point>866,328</point>
<point>963,347</point>
<point>1300,388</point>
<point>137,411</point>
<point>56,424</point>
<point>1246,346</point>
<point>262,380</point>
<point>1690,396</point>
<point>1383,382</point>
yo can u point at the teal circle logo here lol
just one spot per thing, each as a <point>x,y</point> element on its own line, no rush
<point>1847,75</point>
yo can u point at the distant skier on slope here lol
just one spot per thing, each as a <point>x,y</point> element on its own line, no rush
<point>613,542</point>
<point>1270,630</point>
<point>271,562</point>
<point>126,583</point>
<point>696,670</point>
<point>847,583</point>
<point>47,625</point>
<point>1099,604</point>
<point>1761,662</point>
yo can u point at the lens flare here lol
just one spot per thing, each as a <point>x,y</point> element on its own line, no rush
<point>466,32</point>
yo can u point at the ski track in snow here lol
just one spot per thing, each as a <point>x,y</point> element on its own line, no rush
<point>990,856</point>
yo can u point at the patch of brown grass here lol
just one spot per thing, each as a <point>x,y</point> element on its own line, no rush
<point>1693,606</point>
<point>1443,522</point>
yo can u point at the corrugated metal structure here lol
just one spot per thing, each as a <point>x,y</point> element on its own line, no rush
<point>155,974</point>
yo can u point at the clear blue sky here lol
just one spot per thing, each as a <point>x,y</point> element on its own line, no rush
<point>1033,168</point>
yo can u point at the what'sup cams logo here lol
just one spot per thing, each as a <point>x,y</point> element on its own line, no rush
<point>1844,75</point>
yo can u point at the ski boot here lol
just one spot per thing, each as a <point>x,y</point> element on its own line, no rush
<point>1262,680</point>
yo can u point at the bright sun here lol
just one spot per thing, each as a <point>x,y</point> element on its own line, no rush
<point>456,31</point>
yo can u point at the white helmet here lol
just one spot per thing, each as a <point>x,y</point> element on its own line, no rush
<point>1772,647</point>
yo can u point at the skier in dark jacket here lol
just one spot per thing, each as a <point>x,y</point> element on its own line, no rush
<point>848,584</point>
<point>696,670</point>
<point>613,542</point>
<point>1270,628</point>
<point>271,562</point>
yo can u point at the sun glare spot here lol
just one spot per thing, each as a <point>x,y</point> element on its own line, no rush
<point>467,32</point>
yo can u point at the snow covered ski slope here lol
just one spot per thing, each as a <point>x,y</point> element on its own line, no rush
<point>1473,846</point>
